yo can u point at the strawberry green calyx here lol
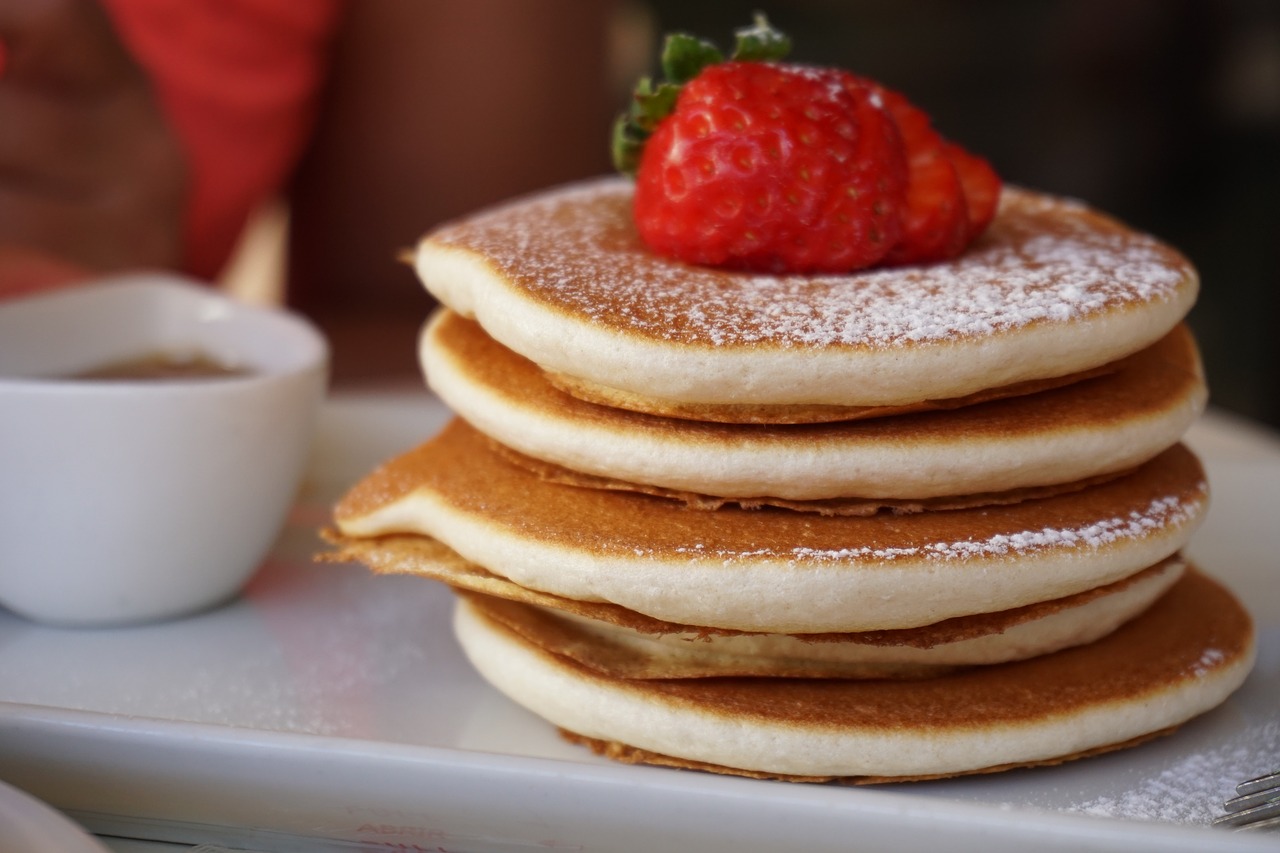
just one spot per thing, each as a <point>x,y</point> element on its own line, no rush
<point>683,58</point>
<point>760,42</point>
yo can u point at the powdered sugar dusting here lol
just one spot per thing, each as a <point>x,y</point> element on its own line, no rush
<point>1191,790</point>
<point>1044,260</point>
<point>1161,513</point>
<point>1211,659</point>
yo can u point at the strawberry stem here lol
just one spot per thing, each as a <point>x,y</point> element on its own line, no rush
<point>683,58</point>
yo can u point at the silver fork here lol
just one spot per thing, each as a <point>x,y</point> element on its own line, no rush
<point>1255,806</point>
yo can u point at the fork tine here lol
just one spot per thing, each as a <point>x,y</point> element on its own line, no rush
<point>1248,801</point>
<point>1267,823</point>
<point>1268,813</point>
<point>1256,807</point>
<point>1262,783</point>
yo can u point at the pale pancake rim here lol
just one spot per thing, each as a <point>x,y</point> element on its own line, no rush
<point>793,591</point>
<point>839,466</point>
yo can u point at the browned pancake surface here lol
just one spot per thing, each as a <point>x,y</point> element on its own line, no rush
<point>563,637</point>
<point>829,506</point>
<point>462,470</point>
<point>1147,382</point>
<point>1196,628</point>
<point>795,413</point>
<point>426,557</point>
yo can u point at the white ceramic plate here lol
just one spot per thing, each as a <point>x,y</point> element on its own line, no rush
<point>29,826</point>
<point>327,704</point>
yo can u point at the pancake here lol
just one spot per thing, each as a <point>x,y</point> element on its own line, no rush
<point>793,413</point>
<point>428,557</point>
<point>1180,658</point>
<point>774,570</point>
<point>1052,288</point>
<point>1103,425</point>
<point>607,648</point>
<point>823,506</point>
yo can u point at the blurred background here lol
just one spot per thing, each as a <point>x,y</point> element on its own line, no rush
<point>145,133</point>
<point>1165,113</point>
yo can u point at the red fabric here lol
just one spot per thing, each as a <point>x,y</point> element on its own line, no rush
<point>25,271</point>
<point>238,79</point>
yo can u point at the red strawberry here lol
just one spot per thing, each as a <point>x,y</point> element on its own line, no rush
<point>935,216</point>
<point>981,187</point>
<point>774,168</point>
<point>758,165</point>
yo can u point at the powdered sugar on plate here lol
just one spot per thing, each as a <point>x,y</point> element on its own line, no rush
<point>1191,790</point>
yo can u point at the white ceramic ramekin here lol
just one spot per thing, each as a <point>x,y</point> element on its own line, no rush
<point>128,501</point>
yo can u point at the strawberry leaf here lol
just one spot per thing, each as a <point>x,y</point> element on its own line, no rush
<point>627,143</point>
<point>760,42</point>
<point>649,106</point>
<point>684,56</point>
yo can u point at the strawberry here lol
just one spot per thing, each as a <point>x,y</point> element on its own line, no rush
<point>981,187</point>
<point>935,215</point>
<point>769,167</point>
<point>756,164</point>
<point>772,168</point>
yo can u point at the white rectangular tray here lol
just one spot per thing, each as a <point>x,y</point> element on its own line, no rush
<point>330,709</point>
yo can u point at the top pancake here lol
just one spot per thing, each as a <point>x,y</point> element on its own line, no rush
<point>1052,288</point>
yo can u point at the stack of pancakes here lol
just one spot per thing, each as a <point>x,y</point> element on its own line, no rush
<point>905,523</point>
